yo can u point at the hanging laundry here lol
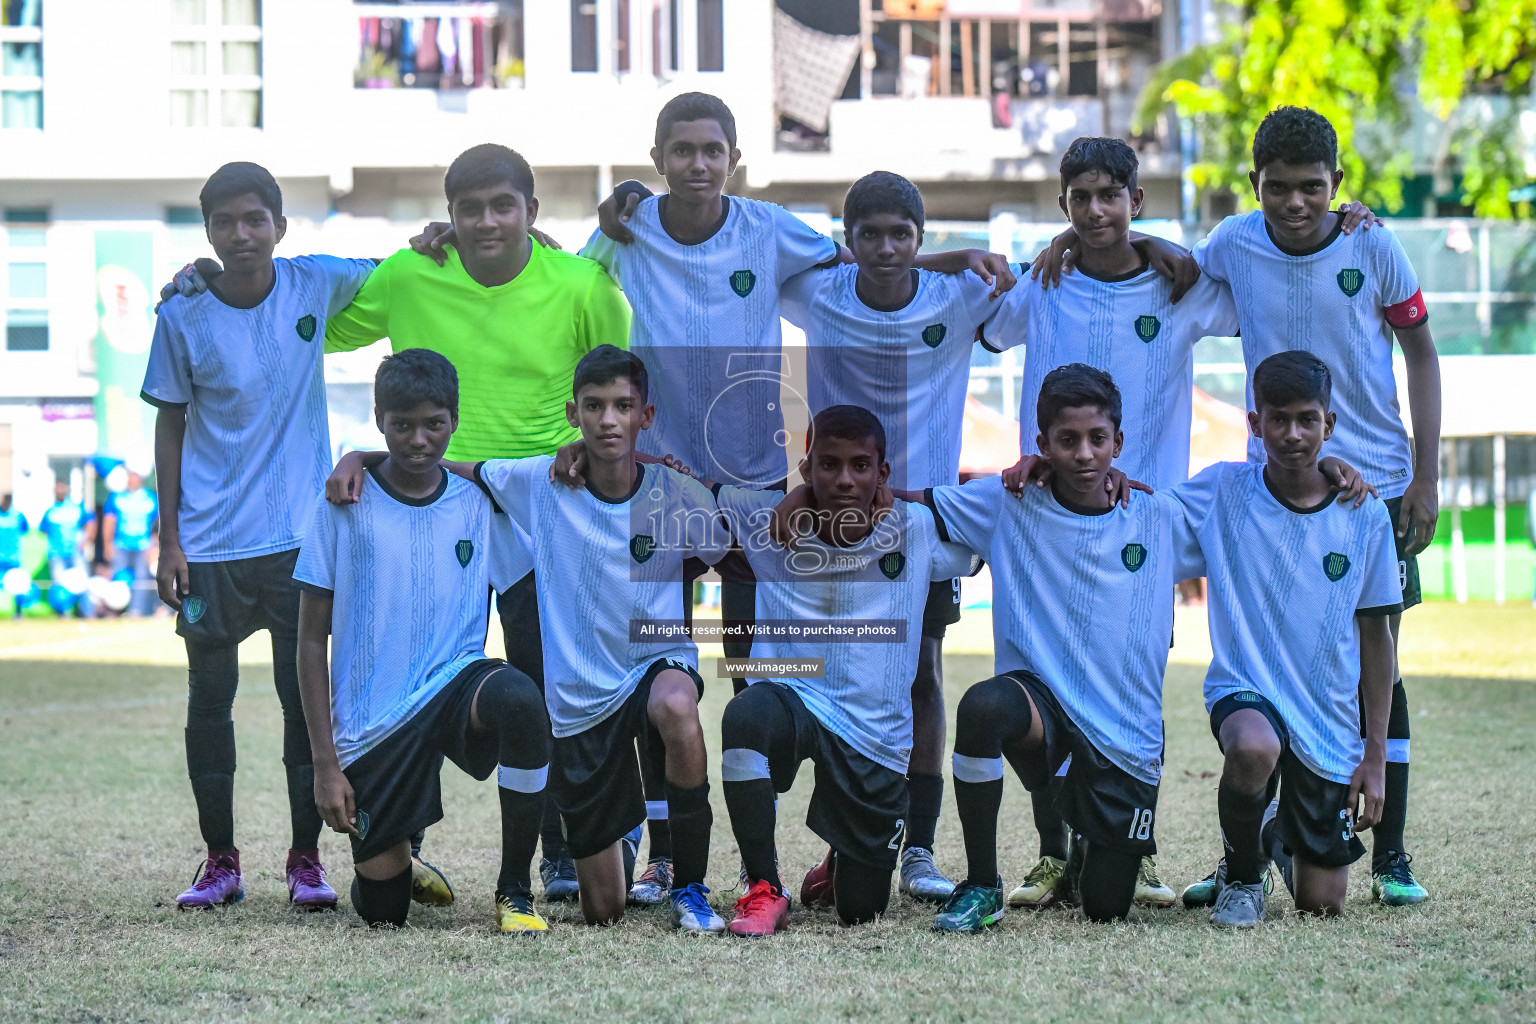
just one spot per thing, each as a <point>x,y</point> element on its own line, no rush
<point>447,47</point>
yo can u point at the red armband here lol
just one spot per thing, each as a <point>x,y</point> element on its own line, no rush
<point>1408,313</point>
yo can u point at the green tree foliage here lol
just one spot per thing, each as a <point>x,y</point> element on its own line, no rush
<point>1366,65</point>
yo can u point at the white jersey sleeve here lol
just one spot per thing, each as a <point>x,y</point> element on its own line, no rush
<point>316,566</point>
<point>168,375</point>
<point>1211,310</point>
<point>967,513</point>
<point>706,535</point>
<point>603,251</point>
<point>510,483</point>
<point>342,277</point>
<point>1006,324</point>
<point>800,246</point>
<point>798,296</point>
<point>1211,252</point>
<point>1381,593</point>
<point>1399,281</point>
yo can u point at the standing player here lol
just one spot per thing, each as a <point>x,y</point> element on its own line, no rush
<point>862,567</point>
<point>242,446</point>
<point>400,579</point>
<point>1301,282</point>
<point>1301,588</point>
<point>13,526</point>
<point>1081,575</point>
<point>128,523</point>
<point>1115,313</point>
<point>888,337</point>
<point>70,528</point>
<point>610,557</point>
<point>514,316</point>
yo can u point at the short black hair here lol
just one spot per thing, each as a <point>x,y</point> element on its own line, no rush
<point>1289,377</point>
<point>413,376</point>
<point>239,179</point>
<point>488,164</point>
<point>608,363</point>
<point>882,192</point>
<point>1108,156</point>
<point>1295,135</point>
<point>695,106</point>
<point>847,423</point>
<point>1074,386</point>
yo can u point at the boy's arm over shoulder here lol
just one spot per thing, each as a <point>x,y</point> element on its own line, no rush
<point>948,558</point>
<point>800,294</point>
<point>800,246</point>
<point>1188,557</point>
<point>342,277</point>
<point>168,374</point>
<point>1005,320</point>
<point>968,513</point>
<point>510,484</point>
<point>365,319</point>
<point>1211,251</point>
<point>603,251</point>
<point>1211,309</point>
<point>709,535</point>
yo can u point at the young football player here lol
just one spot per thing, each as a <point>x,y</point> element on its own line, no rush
<point>1301,590</point>
<point>609,555</point>
<point>128,523</point>
<point>397,584</point>
<point>868,565</point>
<point>1080,574</point>
<point>13,526</point>
<point>242,448</point>
<point>70,529</point>
<point>1301,280</point>
<point>886,336</point>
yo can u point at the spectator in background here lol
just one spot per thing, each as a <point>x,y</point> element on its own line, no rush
<point>13,526</point>
<point>128,531</point>
<point>67,524</point>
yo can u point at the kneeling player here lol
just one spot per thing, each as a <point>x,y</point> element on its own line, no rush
<point>1081,643</point>
<point>1302,586</point>
<point>400,581</point>
<point>854,720</point>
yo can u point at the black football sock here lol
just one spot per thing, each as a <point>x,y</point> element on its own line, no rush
<point>925,799</point>
<point>1241,815</point>
<point>1108,882</point>
<point>653,774</point>
<point>510,705</point>
<point>690,818</point>
<point>303,814</point>
<point>521,812</point>
<point>751,806</point>
<point>211,767</point>
<point>992,712</point>
<point>384,902</point>
<point>860,892</point>
<point>1387,835</point>
<point>1052,830</point>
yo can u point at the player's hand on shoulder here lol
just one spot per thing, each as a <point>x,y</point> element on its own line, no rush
<point>673,462</point>
<point>345,484</point>
<point>570,466</point>
<point>1174,262</point>
<point>543,239</point>
<point>793,517</point>
<point>1055,258</point>
<point>1346,479</point>
<point>992,268</point>
<point>432,239</point>
<point>190,280</point>
<point>171,576</point>
<point>1119,487</point>
<point>1356,214</point>
<point>613,218</point>
<point>334,799</point>
<point>1029,469</point>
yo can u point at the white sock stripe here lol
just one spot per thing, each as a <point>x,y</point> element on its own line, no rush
<point>976,769</point>
<point>656,810</point>
<point>1397,751</point>
<point>1064,766</point>
<point>742,764</point>
<point>522,780</point>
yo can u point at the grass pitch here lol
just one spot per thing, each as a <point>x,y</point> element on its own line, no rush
<point>100,835</point>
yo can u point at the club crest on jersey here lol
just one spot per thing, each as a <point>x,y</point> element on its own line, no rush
<point>193,608</point>
<point>1335,566</point>
<point>933,334</point>
<point>742,282</point>
<point>1133,556</point>
<point>1351,281</point>
<point>1147,328</point>
<point>892,563</point>
<point>642,546</point>
<point>306,326</point>
<point>464,550</point>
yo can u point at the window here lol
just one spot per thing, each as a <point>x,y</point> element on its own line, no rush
<point>215,63</point>
<point>583,35</point>
<point>711,35</point>
<point>24,283</point>
<point>184,215</point>
<point>21,63</point>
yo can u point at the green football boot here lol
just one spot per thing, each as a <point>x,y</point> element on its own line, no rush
<point>1393,883</point>
<point>1203,893</point>
<point>970,908</point>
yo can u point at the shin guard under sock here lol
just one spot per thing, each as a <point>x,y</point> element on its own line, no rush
<point>1241,816</point>
<point>751,805</point>
<point>925,799</point>
<point>1387,835</point>
<point>690,818</point>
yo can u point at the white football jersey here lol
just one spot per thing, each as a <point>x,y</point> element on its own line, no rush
<point>881,583</point>
<point>1083,599</point>
<point>908,366</point>
<point>1334,302</point>
<point>706,323</point>
<point>1286,585</point>
<point>607,571</point>
<point>1129,329</point>
<point>257,448</point>
<point>409,578</point>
